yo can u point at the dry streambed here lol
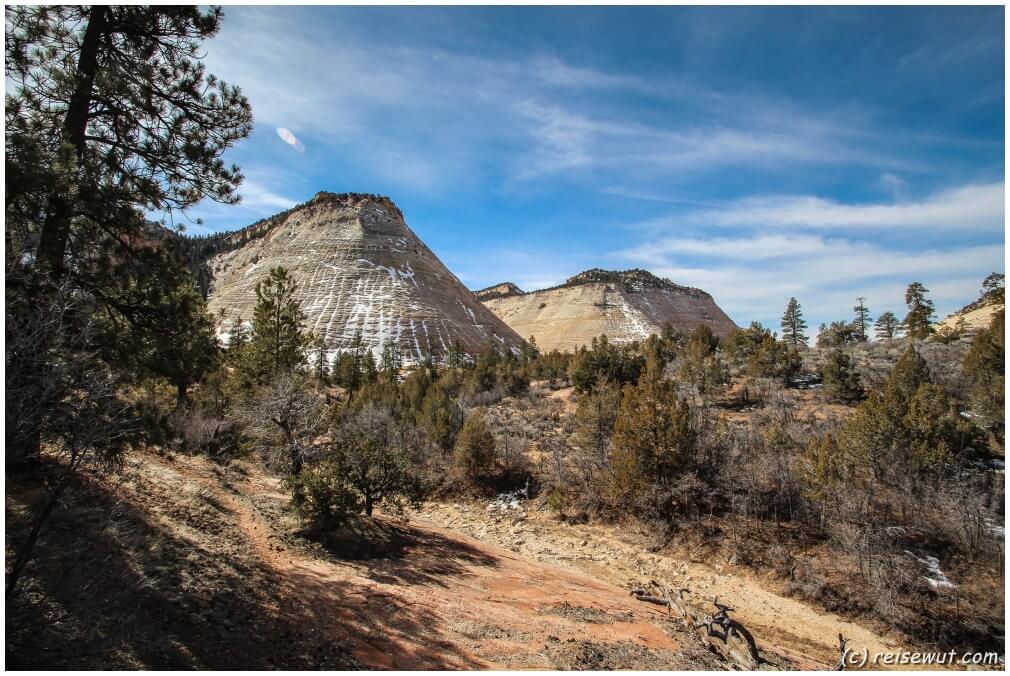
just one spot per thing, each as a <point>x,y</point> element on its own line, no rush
<point>781,624</point>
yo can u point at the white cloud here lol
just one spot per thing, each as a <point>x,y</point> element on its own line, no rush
<point>288,137</point>
<point>962,209</point>
<point>257,196</point>
<point>761,248</point>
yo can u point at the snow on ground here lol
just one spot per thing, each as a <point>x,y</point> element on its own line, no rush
<point>934,577</point>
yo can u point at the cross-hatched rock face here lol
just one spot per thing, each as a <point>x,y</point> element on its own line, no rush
<point>626,306</point>
<point>358,268</point>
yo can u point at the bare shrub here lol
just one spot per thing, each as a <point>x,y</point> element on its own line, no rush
<point>282,418</point>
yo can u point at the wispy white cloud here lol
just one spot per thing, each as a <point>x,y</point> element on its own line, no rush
<point>396,107</point>
<point>288,137</point>
<point>257,196</point>
<point>760,248</point>
<point>965,208</point>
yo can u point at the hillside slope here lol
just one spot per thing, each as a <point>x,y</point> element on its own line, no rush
<point>626,306</point>
<point>973,317</point>
<point>359,269</point>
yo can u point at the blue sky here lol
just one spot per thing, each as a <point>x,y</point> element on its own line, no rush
<point>757,153</point>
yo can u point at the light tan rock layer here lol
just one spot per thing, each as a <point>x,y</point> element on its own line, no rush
<point>974,318</point>
<point>569,316</point>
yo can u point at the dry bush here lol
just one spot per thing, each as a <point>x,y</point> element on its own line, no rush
<point>282,419</point>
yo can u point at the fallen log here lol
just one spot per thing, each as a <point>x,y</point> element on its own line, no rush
<point>722,634</point>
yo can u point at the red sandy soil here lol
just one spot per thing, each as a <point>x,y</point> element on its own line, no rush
<point>201,566</point>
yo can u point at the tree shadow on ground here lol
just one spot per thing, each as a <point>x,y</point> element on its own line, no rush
<point>146,578</point>
<point>403,553</point>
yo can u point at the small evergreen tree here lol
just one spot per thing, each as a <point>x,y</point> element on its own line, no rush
<point>793,325</point>
<point>377,457</point>
<point>984,367</point>
<point>529,352</point>
<point>391,362</point>
<point>821,466</point>
<point>440,415</point>
<point>841,380</point>
<point>862,321</point>
<point>907,376</point>
<point>918,321</point>
<point>838,334</point>
<point>594,420</point>
<point>278,342</point>
<point>320,365</point>
<point>701,367</point>
<point>475,449</point>
<point>992,288</point>
<point>457,356</point>
<point>238,337</point>
<point>887,326</point>
<point>653,437</point>
<point>369,369</point>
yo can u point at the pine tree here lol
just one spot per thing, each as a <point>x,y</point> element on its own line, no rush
<point>529,352</point>
<point>887,326</point>
<point>908,374</point>
<point>238,337</point>
<point>278,342</point>
<point>793,325</point>
<point>653,437</point>
<point>186,347</point>
<point>320,365</point>
<point>369,370</point>
<point>918,321</point>
<point>984,366</point>
<point>594,421</point>
<point>390,362</point>
<point>109,117</point>
<point>122,105</point>
<point>862,321</point>
<point>440,415</point>
<point>821,466</point>
<point>841,380</point>
<point>456,354</point>
<point>475,448</point>
<point>992,288</point>
<point>701,366</point>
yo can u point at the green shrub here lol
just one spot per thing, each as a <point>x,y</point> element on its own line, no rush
<point>322,498</point>
<point>475,449</point>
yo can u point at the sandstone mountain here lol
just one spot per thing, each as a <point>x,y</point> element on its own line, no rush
<point>626,306</point>
<point>358,268</point>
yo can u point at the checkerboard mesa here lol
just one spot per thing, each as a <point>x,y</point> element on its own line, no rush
<point>359,268</point>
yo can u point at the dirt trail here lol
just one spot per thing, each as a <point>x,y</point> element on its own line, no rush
<point>784,624</point>
<point>445,600</point>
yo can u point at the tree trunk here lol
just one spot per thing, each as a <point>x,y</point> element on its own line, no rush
<point>368,504</point>
<point>182,397</point>
<point>56,226</point>
<point>296,459</point>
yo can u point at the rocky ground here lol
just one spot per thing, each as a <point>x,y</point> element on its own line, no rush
<point>626,556</point>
